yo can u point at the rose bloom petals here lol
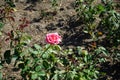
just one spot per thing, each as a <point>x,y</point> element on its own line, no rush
<point>53,38</point>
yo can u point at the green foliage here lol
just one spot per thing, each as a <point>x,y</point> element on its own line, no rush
<point>1,66</point>
<point>89,14</point>
<point>17,38</point>
<point>51,62</point>
<point>10,3</point>
<point>111,24</point>
<point>1,76</point>
<point>99,16</point>
<point>54,3</point>
<point>1,25</point>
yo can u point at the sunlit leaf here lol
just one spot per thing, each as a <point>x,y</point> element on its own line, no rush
<point>1,76</point>
<point>57,47</point>
<point>41,73</point>
<point>37,46</point>
<point>34,76</point>
<point>38,68</point>
<point>55,77</point>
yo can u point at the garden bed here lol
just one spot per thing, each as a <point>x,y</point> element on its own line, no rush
<point>44,18</point>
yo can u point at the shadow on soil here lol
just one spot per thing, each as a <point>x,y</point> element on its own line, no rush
<point>112,71</point>
<point>74,33</point>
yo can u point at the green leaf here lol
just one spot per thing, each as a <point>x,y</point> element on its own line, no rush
<point>1,66</point>
<point>70,51</point>
<point>47,45</point>
<point>34,76</point>
<point>84,52</point>
<point>45,55</point>
<point>85,31</point>
<point>14,58</point>
<point>38,68</point>
<point>1,25</point>
<point>33,51</point>
<point>101,50</point>
<point>7,56</point>
<point>52,57</point>
<point>57,47</point>
<point>1,75</point>
<point>71,75</point>
<point>0,33</point>
<point>23,54</point>
<point>41,73</point>
<point>85,59</point>
<point>95,74</point>
<point>46,64</point>
<point>26,39</point>
<point>55,77</point>
<point>100,8</point>
<point>10,3</point>
<point>79,50</point>
<point>37,46</point>
<point>39,78</point>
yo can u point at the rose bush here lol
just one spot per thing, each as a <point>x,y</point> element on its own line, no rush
<point>53,38</point>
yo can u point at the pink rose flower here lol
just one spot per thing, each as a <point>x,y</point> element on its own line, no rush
<point>53,38</point>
